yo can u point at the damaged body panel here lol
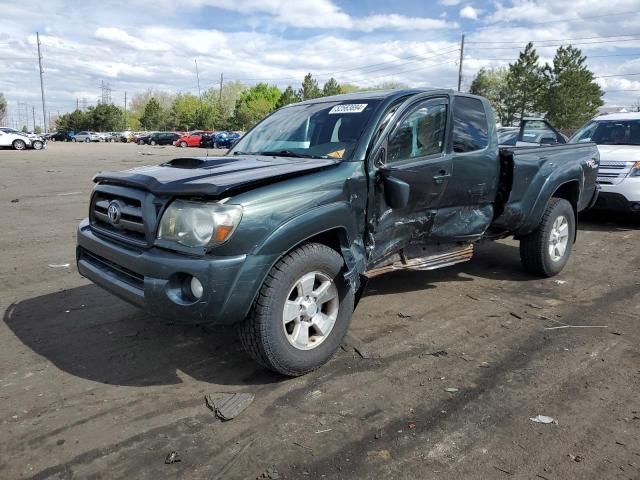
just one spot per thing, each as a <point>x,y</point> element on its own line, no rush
<point>364,183</point>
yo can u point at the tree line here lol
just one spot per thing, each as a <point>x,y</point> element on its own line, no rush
<point>234,107</point>
<point>565,91</point>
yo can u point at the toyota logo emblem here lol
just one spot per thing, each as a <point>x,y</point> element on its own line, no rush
<point>114,212</point>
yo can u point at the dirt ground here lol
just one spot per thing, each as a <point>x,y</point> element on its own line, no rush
<point>91,388</point>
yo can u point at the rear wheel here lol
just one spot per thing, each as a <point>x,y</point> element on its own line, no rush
<point>546,250</point>
<point>87,140</point>
<point>152,142</point>
<point>19,144</point>
<point>302,312</point>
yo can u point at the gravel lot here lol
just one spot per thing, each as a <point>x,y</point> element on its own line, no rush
<point>91,388</point>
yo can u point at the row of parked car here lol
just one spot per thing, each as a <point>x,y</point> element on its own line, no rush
<point>199,138</point>
<point>12,138</point>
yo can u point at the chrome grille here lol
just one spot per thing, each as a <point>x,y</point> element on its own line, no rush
<point>131,225</point>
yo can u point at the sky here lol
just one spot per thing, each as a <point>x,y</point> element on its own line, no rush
<point>138,44</point>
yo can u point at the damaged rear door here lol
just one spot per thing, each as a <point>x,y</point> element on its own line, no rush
<point>411,171</point>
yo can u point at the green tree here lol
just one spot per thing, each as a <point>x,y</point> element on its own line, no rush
<point>309,88</point>
<point>24,129</point>
<point>3,107</point>
<point>287,97</point>
<point>391,85</point>
<point>572,95</point>
<point>331,87</point>
<point>349,88</point>
<point>105,117</point>
<point>73,122</point>
<point>525,84</point>
<point>153,117</point>
<point>491,84</point>
<point>254,104</point>
<point>186,112</point>
<point>38,129</point>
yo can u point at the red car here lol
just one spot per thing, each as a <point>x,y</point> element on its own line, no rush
<point>191,139</point>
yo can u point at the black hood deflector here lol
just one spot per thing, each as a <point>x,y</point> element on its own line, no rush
<point>213,176</point>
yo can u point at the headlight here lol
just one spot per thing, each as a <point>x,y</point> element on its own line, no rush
<point>197,224</point>
<point>635,170</point>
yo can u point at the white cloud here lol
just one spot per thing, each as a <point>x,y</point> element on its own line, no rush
<point>450,3</point>
<point>469,12</point>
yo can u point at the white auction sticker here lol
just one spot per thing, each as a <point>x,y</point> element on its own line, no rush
<point>348,108</point>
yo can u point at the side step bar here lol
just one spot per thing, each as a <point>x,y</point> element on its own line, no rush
<point>432,262</point>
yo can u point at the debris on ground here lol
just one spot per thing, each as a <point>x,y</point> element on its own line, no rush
<point>533,305</point>
<point>576,326</point>
<point>411,425</point>
<point>560,282</point>
<point>59,265</point>
<point>15,200</point>
<point>515,315</point>
<point>451,390</point>
<point>383,455</point>
<point>403,315</point>
<point>575,458</point>
<point>543,419</point>
<point>172,457</point>
<point>146,153</point>
<point>352,343</point>
<point>439,353</point>
<point>378,435</point>
<point>324,431</point>
<point>227,406</point>
<point>472,297</point>
<point>271,474</point>
<point>298,444</point>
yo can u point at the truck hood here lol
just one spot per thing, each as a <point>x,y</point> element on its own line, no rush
<point>213,176</point>
<point>619,153</point>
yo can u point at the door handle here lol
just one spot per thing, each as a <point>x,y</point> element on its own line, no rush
<point>442,174</point>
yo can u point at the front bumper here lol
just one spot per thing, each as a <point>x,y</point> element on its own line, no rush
<point>625,196</point>
<point>155,279</point>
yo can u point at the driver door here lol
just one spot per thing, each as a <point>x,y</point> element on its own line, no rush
<point>4,139</point>
<point>411,173</point>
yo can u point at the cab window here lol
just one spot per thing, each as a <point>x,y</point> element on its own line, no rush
<point>419,134</point>
<point>470,128</point>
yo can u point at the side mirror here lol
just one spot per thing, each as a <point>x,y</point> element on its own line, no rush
<point>396,191</point>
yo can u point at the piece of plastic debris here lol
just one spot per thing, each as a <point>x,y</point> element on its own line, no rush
<point>270,474</point>
<point>324,431</point>
<point>575,458</point>
<point>543,419</point>
<point>439,353</point>
<point>411,425</point>
<point>577,326</point>
<point>15,200</point>
<point>515,315</point>
<point>403,315</point>
<point>351,342</point>
<point>59,265</point>
<point>172,457</point>
<point>378,435</point>
<point>560,282</point>
<point>451,390</point>
<point>228,406</point>
<point>533,305</point>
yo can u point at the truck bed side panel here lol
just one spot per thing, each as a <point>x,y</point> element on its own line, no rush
<point>538,172</point>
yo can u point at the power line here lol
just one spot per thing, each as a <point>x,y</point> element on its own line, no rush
<point>618,75</point>
<point>560,39</point>
<point>562,44</point>
<point>565,20</point>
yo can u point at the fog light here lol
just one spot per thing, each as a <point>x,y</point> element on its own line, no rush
<point>196,288</point>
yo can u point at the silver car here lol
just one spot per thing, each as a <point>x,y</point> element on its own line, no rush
<point>88,137</point>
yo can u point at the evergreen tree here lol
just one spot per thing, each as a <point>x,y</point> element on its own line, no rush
<point>287,97</point>
<point>331,87</point>
<point>572,96</point>
<point>309,88</point>
<point>491,84</point>
<point>525,85</point>
<point>152,116</point>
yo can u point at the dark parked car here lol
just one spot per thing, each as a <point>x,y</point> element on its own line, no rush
<point>219,140</point>
<point>61,137</point>
<point>531,131</point>
<point>282,233</point>
<point>159,138</point>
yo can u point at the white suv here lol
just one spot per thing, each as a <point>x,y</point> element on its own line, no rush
<point>19,141</point>
<point>618,139</point>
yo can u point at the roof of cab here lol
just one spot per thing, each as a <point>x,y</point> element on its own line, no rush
<point>371,94</point>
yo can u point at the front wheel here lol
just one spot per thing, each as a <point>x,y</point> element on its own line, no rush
<point>87,140</point>
<point>37,145</point>
<point>546,250</point>
<point>183,144</point>
<point>302,312</point>
<point>19,144</point>
<point>152,143</point>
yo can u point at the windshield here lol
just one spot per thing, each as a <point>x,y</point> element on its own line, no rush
<point>609,132</point>
<point>314,130</point>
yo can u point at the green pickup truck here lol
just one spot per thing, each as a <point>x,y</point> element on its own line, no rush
<point>281,234</point>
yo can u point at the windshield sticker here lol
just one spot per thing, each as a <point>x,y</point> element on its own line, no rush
<point>348,108</point>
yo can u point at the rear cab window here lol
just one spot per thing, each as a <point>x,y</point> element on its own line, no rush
<point>470,127</point>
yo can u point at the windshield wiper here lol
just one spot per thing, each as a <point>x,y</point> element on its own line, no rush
<point>288,153</point>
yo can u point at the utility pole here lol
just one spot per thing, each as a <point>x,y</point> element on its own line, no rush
<point>33,112</point>
<point>77,103</point>
<point>125,111</point>
<point>198,78</point>
<point>221,81</point>
<point>460,66</point>
<point>44,108</point>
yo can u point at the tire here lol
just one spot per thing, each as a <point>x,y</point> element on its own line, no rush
<point>19,144</point>
<point>270,341</point>
<point>183,144</point>
<point>74,140</point>
<point>541,251</point>
<point>52,139</point>
<point>152,143</point>
<point>87,140</point>
<point>37,145</point>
